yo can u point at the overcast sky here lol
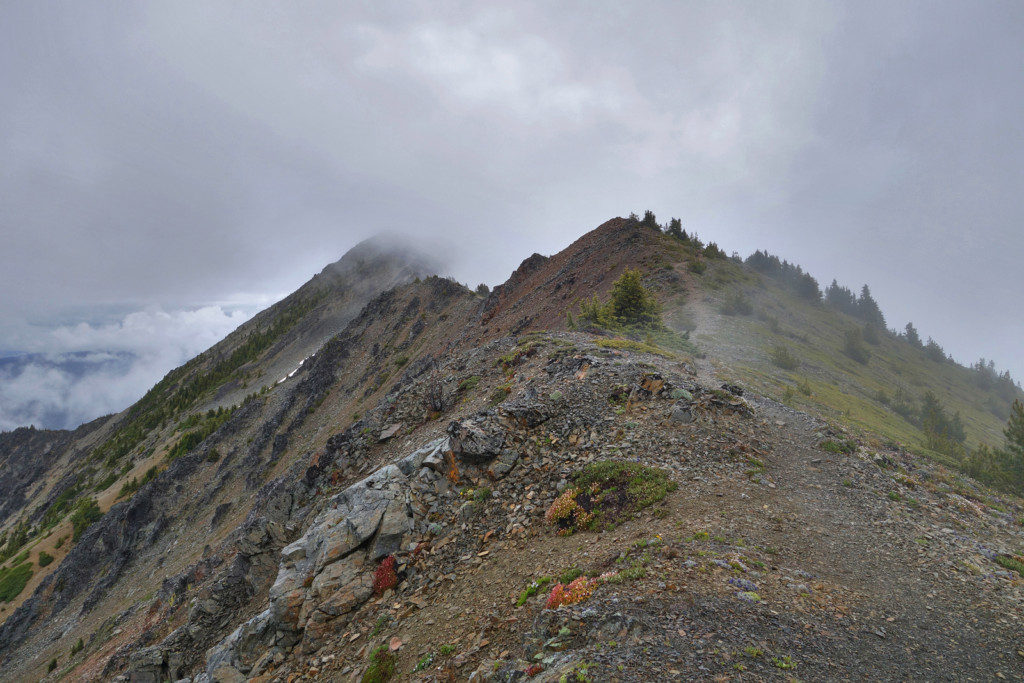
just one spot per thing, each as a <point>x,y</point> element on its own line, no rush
<point>187,163</point>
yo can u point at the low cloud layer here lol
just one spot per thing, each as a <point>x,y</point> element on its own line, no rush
<point>78,373</point>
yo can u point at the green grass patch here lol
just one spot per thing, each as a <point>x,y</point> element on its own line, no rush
<point>382,666</point>
<point>535,587</point>
<point>500,393</point>
<point>635,346</point>
<point>1015,564</point>
<point>840,446</point>
<point>570,575</point>
<point>13,580</point>
<point>784,662</point>
<point>469,383</point>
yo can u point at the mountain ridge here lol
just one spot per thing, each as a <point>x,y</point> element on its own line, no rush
<point>428,394</point>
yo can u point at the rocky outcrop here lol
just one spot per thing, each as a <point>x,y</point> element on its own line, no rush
<point>326,573</point>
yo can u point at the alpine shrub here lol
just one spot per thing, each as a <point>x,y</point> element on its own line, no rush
<point>385,578</point>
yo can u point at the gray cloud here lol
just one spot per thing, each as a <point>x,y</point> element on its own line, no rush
<point>182,154</point>
<point>79,372</point>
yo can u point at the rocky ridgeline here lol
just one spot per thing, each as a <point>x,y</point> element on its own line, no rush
<point>449,477</point>
<point>327,574</point>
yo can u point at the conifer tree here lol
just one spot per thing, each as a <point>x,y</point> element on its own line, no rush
<point>675,229</point>
<point>868,310</point>
<point>934,351</point>
<point>1015,429</point>
<point>631,304</point>
<point>910,332</point>
<point>841,298</point>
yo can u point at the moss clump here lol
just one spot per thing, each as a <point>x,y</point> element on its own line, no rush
<point>469,383</point>
<point>841,446</point>
<point>605,493</point>
<point>499,394</point>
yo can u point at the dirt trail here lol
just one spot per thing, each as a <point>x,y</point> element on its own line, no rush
<point>912,619</point>
<point>925,624</point>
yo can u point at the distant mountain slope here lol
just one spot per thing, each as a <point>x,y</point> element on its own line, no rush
<point>44,475</point>
<point>796,349</point>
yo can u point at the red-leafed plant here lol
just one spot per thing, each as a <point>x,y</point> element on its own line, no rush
<point>385,577</point>
<point>569,594</point>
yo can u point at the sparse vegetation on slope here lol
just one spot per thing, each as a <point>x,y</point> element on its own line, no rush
<point>182,388</point>
<point>605,493</point>
<point>86,512</point>
<point>631,311</point>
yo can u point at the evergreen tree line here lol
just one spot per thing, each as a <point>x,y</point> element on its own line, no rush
<point>790,274</point>
<point>988,379</point>
<point>863,307</point>
<point>674,228</point>
<point>1002,468</point>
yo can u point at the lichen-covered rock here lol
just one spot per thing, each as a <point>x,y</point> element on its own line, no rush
<point>682,412</point>
<point>525,412</point>
<point>474,441</point>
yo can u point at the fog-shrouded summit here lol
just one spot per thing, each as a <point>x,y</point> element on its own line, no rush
<point>85,371</point>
